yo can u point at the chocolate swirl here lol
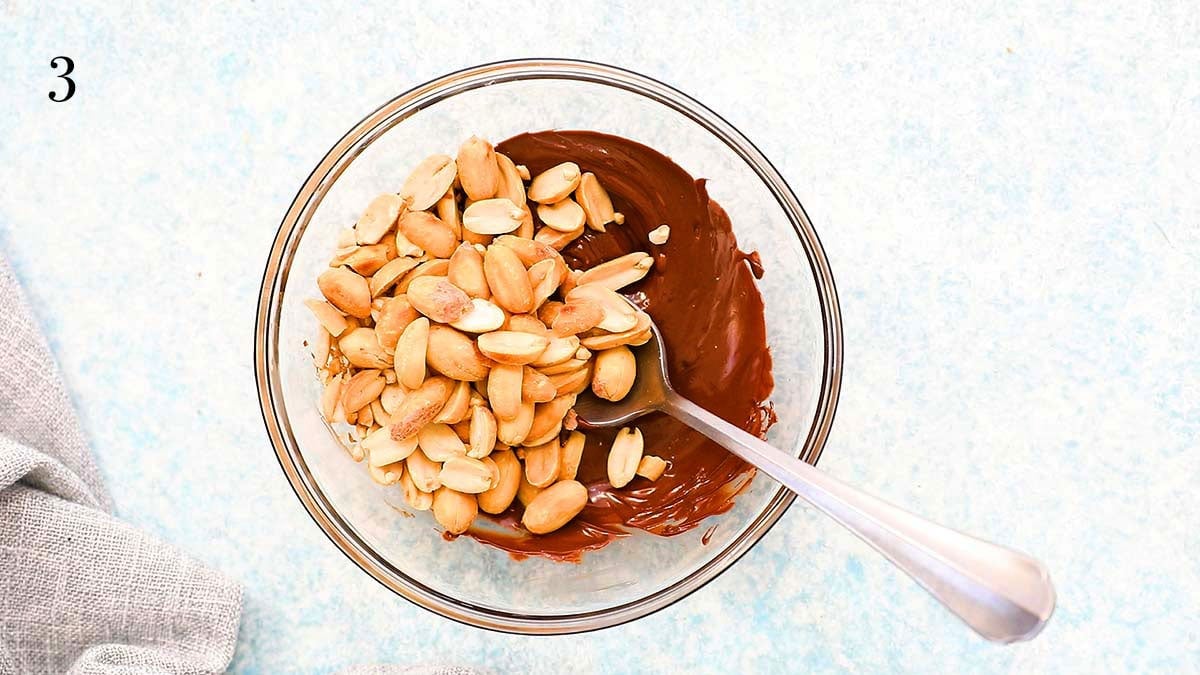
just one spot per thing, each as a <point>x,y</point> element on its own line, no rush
<point>702,295</point>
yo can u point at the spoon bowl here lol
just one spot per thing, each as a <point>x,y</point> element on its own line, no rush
<point>649,394</point>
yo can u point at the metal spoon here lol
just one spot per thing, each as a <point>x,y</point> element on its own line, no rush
<point>1003,595</point>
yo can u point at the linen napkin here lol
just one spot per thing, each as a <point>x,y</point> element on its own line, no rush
<point>80,591</point>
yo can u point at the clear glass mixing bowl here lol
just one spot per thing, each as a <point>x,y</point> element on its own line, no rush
<point>464,580</point>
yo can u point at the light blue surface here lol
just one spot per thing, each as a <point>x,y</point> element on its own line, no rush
<point>1009,198</point>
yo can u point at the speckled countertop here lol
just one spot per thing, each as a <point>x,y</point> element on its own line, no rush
<point>1008,197</point>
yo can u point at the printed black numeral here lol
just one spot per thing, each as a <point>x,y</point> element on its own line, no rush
<point>70,67</point>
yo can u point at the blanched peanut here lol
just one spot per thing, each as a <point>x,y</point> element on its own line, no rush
<point>624,457</point>
<point>614,373</point>
<point>542,464</point>
<point>555,506</point>
<point>454,510</point>
<point>651,467</point>
<point>501,495</point>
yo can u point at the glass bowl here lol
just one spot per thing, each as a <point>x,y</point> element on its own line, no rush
<point>465,580</point>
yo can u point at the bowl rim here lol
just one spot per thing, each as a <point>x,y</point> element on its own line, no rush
<point>295,221</point>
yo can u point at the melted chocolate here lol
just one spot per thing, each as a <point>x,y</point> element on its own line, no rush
<point>701,294</point>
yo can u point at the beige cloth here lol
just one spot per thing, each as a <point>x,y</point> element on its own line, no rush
<point>80,591</point>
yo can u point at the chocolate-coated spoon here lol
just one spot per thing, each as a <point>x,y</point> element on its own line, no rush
<point>1003,595</point>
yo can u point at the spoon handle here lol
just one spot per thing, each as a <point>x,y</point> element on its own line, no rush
<point>1003,595</point>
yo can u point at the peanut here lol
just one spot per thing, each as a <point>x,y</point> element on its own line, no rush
<point>410,353</point>
<point>383,449</point>
<point>510,185</point>
<point>396,315</point>
<point>477,169</point>
<point>547,419</point>
<point>429,181</point>
<point>455,355</point>
<point>378,218</point>
<point>542,463</point>
<point>614,373</point>
<point>429,232</point>
<point>500,496</point>
<point>447,211</point>
<point>514,431</point>
<point>329,317</point>
<point>366,260</point>
<point>659,235</point>
<point>466,271</point>
<point>526,492</point>
<point>417,499</point>
<point>555,183</point>
<point>454,510</point>
<point>390,274</point>
<point>555,506</point>
<point>365,386</point>
<point>619,315</point>
<point>577,316</point>
<point>482,433</point>
<point>439,442</point>
<point>545,276</point>
<point>421,406</point>
<point>619,272</point>
<point>423,471</point>
<point>347,291</point>
<point>438,299</point>
<point>624,457</point>
<point>466,475</point>
<point>508,280</point>
<point>483,317</point>
<point>651,467</point>
<point>512,347</point>
<point>572,454</point>
<point>457,407</point>
<point>493,216</point>
<point>528,251</point>
<point>386,475</point>
<point>526,323</point>
<point>535,386</point>
<point>504,391</point>
<point>596,203</point>
<point>361,347</point>
<point>564,216</point>
<point>557,240</point>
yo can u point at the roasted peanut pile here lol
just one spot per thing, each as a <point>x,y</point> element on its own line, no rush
<point>455,338</point>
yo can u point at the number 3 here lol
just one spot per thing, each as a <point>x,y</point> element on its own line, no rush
<point>70,83</point>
